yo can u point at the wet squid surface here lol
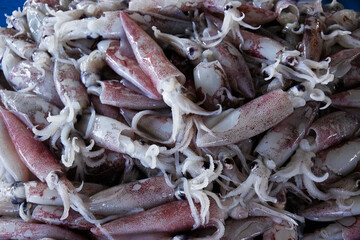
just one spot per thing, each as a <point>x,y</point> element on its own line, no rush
<point>180,120</point>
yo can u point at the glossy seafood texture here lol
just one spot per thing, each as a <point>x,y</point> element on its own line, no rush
<point>163,119</point>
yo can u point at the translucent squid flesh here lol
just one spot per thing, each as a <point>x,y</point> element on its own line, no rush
<point>125,65</point>
<point>106,110</point>
<point>124,198</point>
<point>9,209</point>
<point>9,158</point>
<point>18,229</point>
<point>23,47</point>
<point>341,61</point>
<point>170,217</point>
<point>336,165</point>
<point>347,99</point>
<point>39,193</point>
<point>73,94</point>
<point>165,76</point>
<point>114,93</point>
<point>312,40</point>
<point>52,215</point>
<point>280,231</point>
<point>164,23</point>
<point>288,14</point>
<point>281,141</point>
<point>194,149</point>
<point>40,161</point>
<point>245,122</point>
<point>240,79</point>
<point>261,47</point>
<point>154,125</point>
<point>31,109</point>
<point>249,227</point>
<point>26,75</point>
<point>211,84</point>
<point>339,127</point>
<point>116,136</point>
<point>333,210</point>
<point>347,228</point>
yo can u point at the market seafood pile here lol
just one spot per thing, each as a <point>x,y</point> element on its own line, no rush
<point>180,120</point>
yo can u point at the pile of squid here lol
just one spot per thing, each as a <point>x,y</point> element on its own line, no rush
<point>159,119</point>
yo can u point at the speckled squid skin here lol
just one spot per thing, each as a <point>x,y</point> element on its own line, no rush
<point>158,126</point>
<point>239,77</point>
<point>171,217</point>
<point>338,160</point>
<point>342,61</point>
<point>120,199</point>
<point>259,46</point>
<point>39,193</point>
<point>331,211</point>
<point>34,154</point>
<point>312,42</point>
<point>346,99</point>
<point>22,46</point>
<point>164,23</point>
<point>246,228</point>
<point>30,108</point>
<point>106,110</point>
<point>116,94</point>
<point>25,75</point>
<point>18,229</point>
<point>333,129</point>
<point>281,141</point>
<point>248,120</point>
<point>52,214</point>
<point>68,84</point>
<point>127,67</point>
<point>149,55</point>
<point>9,158</point>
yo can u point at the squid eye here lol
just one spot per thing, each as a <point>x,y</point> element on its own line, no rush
<point>180,194</point>
<point>300,88</point>
<point>228,163</point>
<point>254,165</point>
<point>265,74</point>
<point>227,7</point>
<point>183,90</point>
<point>291,61</point>
<point>191,51</point>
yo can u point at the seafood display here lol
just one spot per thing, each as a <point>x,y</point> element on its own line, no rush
<point>181,119</point>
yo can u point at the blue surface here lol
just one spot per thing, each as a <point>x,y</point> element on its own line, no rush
<point>7,6</point>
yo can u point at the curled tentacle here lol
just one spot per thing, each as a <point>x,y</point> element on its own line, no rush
<point>258,179</point>
<point>304,92</point>
<point>300,164</point>
<point>60,127</point>
<point>232,19</point>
